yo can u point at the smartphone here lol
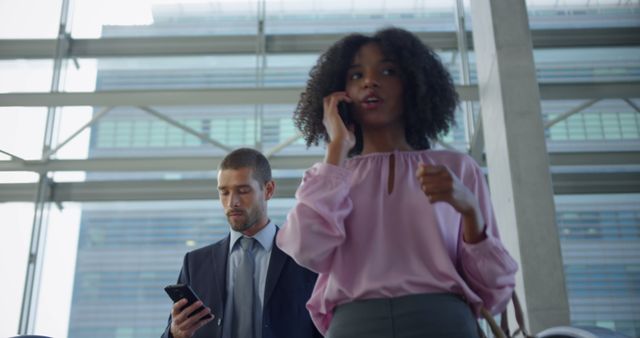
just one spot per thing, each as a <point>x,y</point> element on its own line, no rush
<point>345,113</point>
<point>179,291</point>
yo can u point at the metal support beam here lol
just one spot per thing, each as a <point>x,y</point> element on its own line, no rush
<point>607,182</point>
<point>207,163</point>
<point>12,156</point>
<point>244,96</point>
<point>93,120</point>
<point>604,158</point>
<point>633,105</point>
<point>186,129</point>
<point>465,76</point>
<point>588,91</point>
<point>596,183</point>
<point>288,43</point>
<point>521,186</point>
<point>567,114</point>
<point>586,38</point>
<point>261,67</point>
<point>279,147</point>
<point>280,95</point>
<point>141,190</point>
<point>476,144</point>
<point>33,274</point>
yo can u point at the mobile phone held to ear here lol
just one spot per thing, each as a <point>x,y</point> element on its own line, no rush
<point>179,291</point>
<point>345,113</point>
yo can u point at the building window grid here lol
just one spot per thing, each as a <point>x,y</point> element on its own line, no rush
<point>620,125</point>
<point>143,133</point>
<point>630,130</point>
<point>602,292</point>
<point>601,225</point>
<point>601,120</point>
<point>595,125</point>
<point>613,129</point>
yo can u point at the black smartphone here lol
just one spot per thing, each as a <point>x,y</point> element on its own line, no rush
<point>345,113</point>
<point>179,291</point>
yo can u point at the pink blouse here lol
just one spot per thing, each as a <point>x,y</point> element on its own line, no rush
<point>366,242</point>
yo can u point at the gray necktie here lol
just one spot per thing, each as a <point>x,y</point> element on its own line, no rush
<point>244,293</point>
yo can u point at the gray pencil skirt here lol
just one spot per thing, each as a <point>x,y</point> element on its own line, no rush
<point>441,315</point>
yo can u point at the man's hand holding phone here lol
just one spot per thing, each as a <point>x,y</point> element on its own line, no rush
<point>186,320</point>
<point>188,313</point>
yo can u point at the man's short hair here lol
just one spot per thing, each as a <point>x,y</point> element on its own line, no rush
<point>248,158</point>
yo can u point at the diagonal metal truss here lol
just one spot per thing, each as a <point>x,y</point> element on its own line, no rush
<point>287,43</point>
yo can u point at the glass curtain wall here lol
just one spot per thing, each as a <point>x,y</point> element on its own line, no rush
<point>118,228</point>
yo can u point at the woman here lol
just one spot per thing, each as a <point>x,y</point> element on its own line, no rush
<point>403,237</point>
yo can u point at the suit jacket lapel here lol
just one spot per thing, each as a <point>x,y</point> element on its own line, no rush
<point>220,259</point>
<point>276,263</point>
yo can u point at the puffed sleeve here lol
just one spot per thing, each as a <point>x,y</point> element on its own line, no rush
<point>315,225</point>
<point>487,266</point>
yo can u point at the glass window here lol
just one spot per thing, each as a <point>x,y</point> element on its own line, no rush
<point>599,241</point>
<point>25,76</point>
<point>313,17</point>
<point>612,122</point>
<point>29,19</point>
<point>54,297</point>
<point>22,131</point>
<point>130,131</point>
<point>587,64</point>
<point>17,222</point>
<point>188,72</point>
<point>201,72</point>
<point>552,14</point>
<point>120,18</point>
<point>70,121</point>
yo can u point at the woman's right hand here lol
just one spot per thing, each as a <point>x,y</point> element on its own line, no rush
<point>341,138</point>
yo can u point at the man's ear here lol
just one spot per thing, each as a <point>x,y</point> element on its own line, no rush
<point>269,190</point>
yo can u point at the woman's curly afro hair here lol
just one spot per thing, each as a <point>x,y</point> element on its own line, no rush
<point>430,99</point>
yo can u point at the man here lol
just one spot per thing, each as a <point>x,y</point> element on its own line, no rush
<point>249,286</point>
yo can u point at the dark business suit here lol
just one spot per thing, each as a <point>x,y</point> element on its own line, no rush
<point>287,290</point>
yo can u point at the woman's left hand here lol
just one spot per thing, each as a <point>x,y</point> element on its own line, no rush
<point>441,185</point>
